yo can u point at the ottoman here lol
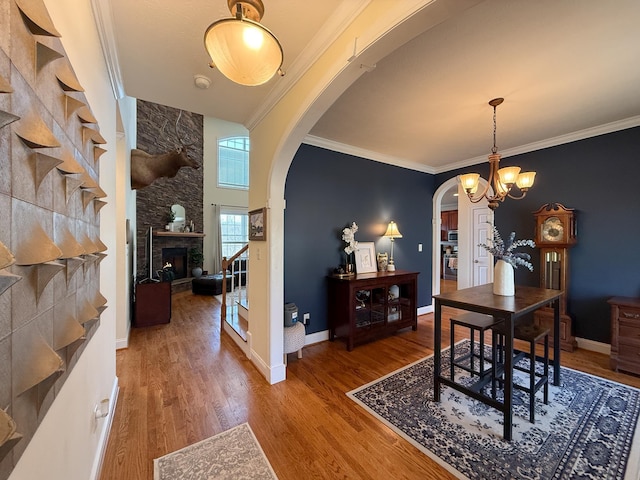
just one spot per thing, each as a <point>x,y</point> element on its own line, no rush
<point>294,338</point>
<point>209,285</point>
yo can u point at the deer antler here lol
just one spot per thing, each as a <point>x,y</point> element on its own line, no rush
<point>184,145</point>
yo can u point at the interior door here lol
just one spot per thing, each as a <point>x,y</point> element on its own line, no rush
<point>482,261</point>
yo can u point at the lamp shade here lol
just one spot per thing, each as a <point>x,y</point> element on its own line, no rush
<point>392,231</point>
<point>243,50</point>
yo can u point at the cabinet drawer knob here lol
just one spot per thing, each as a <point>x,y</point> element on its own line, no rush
<point>631,315</point>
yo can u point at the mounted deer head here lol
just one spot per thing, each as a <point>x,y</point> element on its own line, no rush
<point>146,168</point>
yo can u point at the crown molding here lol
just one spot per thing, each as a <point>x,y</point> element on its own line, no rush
<point>104,24</point>
<point>367,154</point>
<point>530,147</point>
<point>550,142</point>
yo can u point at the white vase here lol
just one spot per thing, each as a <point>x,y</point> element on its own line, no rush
<point>503,279</point>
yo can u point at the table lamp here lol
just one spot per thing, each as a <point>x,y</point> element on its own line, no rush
<point>392,233</point>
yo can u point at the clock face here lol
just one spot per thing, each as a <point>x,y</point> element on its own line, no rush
<point>552,230</point>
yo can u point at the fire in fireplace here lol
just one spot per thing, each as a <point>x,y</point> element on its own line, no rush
<point>177,257</point>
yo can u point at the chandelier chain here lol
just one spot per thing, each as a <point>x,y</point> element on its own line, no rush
<point>494,150</point>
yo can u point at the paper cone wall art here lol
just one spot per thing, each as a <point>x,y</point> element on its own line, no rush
<point>69,164</point>
<point>66,330</point>
<point>97,205</point>
<point>71,185</point>
<point>93,135</point>
<point>44,274</point>
<point>43,165</point>
<point>67,79</point>
<point>87,313</point>
<point>6,257</point>
<point>5,86</point>
<point>97,153</point>
<point>45,55</point>
<point>85,115</point>
<point>34,246</point>
<point>36,18</point>
<point>7,279</point>
<point>35,133</point>
<point>87,196</point>
<point>37,360</point>
<point>68,244</point>
<point>7,118</point>
<point>73,264</point>
<point>71,104</point>
<point>8,433</point>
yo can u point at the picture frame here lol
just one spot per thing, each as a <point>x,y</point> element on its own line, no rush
<point>365,257</point>
<point>258,224</point>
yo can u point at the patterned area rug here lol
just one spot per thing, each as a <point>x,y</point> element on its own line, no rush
<point>586,431</point>
<point>231,455</point>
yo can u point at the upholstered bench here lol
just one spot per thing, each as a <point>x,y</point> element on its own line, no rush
<point>209,285</point>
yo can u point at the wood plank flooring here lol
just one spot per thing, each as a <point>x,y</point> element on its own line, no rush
<point>183,382</point>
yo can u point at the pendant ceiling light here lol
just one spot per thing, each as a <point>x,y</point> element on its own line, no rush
<point>501,180</point>
<point>241,48</point>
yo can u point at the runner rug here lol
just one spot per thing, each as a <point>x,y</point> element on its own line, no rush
<point>589,429</point>
<point>231,455</point>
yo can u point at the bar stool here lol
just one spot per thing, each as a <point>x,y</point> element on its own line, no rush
<point>475,322</point>
<point>531,334</point>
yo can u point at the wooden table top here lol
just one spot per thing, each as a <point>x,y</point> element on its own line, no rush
<point>525,299</point>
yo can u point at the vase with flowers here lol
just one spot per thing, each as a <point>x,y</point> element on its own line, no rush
<point>507,260</point>
<point>348,235</point>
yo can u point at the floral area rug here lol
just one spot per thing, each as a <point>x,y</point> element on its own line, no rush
<point>586,431</point>
<point>231,455</point>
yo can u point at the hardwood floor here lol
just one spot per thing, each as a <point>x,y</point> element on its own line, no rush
<point>183,382</point>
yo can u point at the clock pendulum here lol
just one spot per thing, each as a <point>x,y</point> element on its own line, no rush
<point>555,235</point>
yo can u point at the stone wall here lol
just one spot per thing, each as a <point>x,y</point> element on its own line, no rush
<point>157,134</point>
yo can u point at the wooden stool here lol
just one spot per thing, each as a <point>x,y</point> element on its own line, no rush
<point>475,322</point>
<point>531,334</point>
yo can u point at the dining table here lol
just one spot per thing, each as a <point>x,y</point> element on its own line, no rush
<point>481,299</point>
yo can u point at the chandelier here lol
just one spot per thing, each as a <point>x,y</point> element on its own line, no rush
<point>501,180</point>
<point>241,48</point>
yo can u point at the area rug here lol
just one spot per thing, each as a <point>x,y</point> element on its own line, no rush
<point>231,455</point>
<point>589,429</point>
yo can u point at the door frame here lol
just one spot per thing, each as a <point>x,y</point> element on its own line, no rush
<point>465,272</point>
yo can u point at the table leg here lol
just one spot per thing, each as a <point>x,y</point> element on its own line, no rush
<point>437,340</point>
<point>508,379</point>
<point>556,342</point>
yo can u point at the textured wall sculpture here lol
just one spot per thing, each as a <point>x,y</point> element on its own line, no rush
<point>50,198</point>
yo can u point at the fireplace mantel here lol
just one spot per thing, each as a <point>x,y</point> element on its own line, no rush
<point>164,233</point>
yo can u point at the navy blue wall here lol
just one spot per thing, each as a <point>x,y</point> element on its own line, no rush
<point>598,177</point>
<point>325,191</point>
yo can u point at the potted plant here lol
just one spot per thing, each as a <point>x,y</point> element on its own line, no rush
<point>171,216</point>
<point>196,258</point>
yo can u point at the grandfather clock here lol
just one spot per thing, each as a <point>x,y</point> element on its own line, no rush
<point>555,235</point>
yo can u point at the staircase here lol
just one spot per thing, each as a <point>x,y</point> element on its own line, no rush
<point>235,304</point>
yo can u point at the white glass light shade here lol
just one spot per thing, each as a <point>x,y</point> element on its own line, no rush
<point>470,181</point>
<point>243,50</point>
<point>525,180</point>
<point>392,231</point>
<point>508,175</point>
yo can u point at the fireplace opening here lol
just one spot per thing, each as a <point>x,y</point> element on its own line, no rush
<point>177,257</point>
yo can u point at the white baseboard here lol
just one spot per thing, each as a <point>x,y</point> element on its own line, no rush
<point>104,436</point>
<point>424,310</point>
<point>316,337</point>
<point>122,343</point>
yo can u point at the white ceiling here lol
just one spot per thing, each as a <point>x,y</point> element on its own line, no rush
<point>566,68</point>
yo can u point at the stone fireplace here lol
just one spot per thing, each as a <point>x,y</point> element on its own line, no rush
<point>177,257</point>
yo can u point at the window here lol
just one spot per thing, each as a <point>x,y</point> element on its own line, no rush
<point>234,227</point>
<point>233,162</point>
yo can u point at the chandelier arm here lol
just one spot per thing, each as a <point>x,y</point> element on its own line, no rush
<point>523,194</point>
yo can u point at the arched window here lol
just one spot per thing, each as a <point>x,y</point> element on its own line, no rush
<point>233,162</point>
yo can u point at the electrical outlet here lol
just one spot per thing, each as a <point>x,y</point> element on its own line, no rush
<point>306,318</point>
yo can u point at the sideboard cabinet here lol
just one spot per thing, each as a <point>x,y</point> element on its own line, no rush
<point>369,306</point>
<point>625,334</point>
